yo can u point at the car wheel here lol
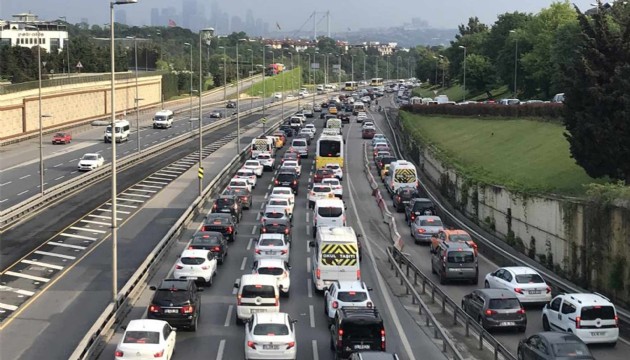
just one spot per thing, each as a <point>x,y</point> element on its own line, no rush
<point>442,278</point>
<point>475,281</point>
<point>193,326</point>
<point>287,294</point>
<point>314,232</point>
<point>332,345</point>
<point>522,329</point>
<point>239,321</point>
<point>545,323</point>
<point>486,284</point>
<point>210,280</point>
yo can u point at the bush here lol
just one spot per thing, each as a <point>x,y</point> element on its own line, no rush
<point>545,110</point>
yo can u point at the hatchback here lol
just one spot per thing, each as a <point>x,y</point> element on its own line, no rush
<point>495,309</point>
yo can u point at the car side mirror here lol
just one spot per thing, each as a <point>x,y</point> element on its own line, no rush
<point>370,289</point>
<point>124,327</point>
<point>359,235</point>
<point>294,321</point>
<point>153,287</point>
<point>237,283</point>
<point>311,244</point>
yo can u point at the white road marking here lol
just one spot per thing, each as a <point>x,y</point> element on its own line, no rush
<point>26,276</point>
<point>108,210</point>
<point>86,230</point>
<point>229,316</point>
<point>249,244</point>
<point>3,200</point>
<point>46,253</point>
<point>22,193</point>
<point>59,178</point>
<point>37,263</point>
<point>254,229</point>
<point>155,182</point>
<point>58,165</point>
<point>138,195</point>
<point>235,290</point>
<point>266,196</point>
<point>172,176</point>
<point>258,217</point>
<point>66,245</point>
<point>221,349</point>
<point>269,187</point>
<point>243,263</point>
<point>179,167</point>
<point>171,172</point>
<point>311,313</point>
<point>309,287</point>
<point>25,176</point>
<point>74,172</point>
<point>307,218</point>
<point>8,307</point>
<point>149,186</point>
<point>308,230</point>
<point>143,190</point>
<point>95,222</point>
<point>315,350</point>
<point>17,291</point>
<point>103,217</point>
<point>126,199</point>
<point>262,206</point>
<point>160,178</point>
<point>125,206</point>
<point>308,264</point>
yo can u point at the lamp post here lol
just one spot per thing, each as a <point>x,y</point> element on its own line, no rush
<point>387,75</point>
<point>114,222</point>
<point>40,116</point>
<point>299,78</point>
<point>136,98</point>
<point>224,74</point>
<point>352,67</point>
<point>463,47</point>
<point>436,68</point>
<point>326,71</point>
<point>443,71</point>
<point>375,66</point>
<point>204,34</point>
<point>273,61</point>
<point>282,103</point>
<point>339,72</point>
<point>238,103</point>
<point>251,81</point>
<point>515,59</point>
<point>191,83</point>
<point>364,73</point>
<point>67,43</point>
<point>264,69</point>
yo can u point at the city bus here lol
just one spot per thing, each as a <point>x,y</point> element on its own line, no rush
<point>329,150</point>
<point>376,82</point>
<point>351,86</point>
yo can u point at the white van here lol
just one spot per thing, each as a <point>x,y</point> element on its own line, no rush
<point>163,119</point>
<point>328,213</point>
<point>336,257</point>
<point>334,123</point>
<point>402,173</point>
<point>256,294</point>
<point>262,145</point>
<point>301,146</point>
<point>121,131</point>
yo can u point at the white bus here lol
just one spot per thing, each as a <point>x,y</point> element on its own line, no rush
<point>351,86</point>
<point>329,151</point>
<point>376,82</point>
<point>358,107</point>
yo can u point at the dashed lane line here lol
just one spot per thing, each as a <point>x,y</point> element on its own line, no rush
<point>47,253</point>
<point>39,263</point>
<point>27,276</point>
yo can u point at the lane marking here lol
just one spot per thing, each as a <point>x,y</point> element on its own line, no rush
<point>254,229</point>
<point>27,276</point>
<point>311,313</point>
<point>308,264</point>
<point>309,287</point>
<point>308,231</point>
<point>142,190</point>
<point>25,176</point>
<point>74,172</point>
<point>83,229</point>
<point>307,218</point>
<point>58,165</point>
<point>126,199</point>
<point>149,186</point>
<point>170,172</point>
<point>138,195</point>
<point>109,210</point>
<point>124,205</point>
<point>315,350</point>
<point>249,244</point>
<point>95,222</point>
<point>155,182</point>
<point>3,200</point>
<point>235,290</point>
<point>46,253</point>
<point>6,183</point>
<point>258,217</point>
<point>22,193</point>
<point>37,263</point>
<point>17,291</point>
<point>221,349</point>
<point>229,316</point>
<point>66,245</point>
<point>8,307</point>
<point>59,178</point>
<point>103,217</point>
<point>243,263</point>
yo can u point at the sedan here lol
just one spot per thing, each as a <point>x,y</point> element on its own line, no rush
<point>294,165</point>
<point>267,161</point>
<point>212,241</point>
<point>62,138</point>
<point>146,339</point>
<point>524,282</point>
<point>270,336</point>
<point>335,185</point>
<point>238,182</point>
<point>336,169</point>
<point>276,267</point>
<point>272,246</point>
<point>322,173</point>
<point>277,226</point>
<point>424,227</point>
<point>319,191</point>
<point>552,346</point>
<point>242,194</point>
<point>90,161</point>
<point>402,197</point>
<point>198,265</point>
<point>281,202</point>
<point>281,191</point>
<point>255,166</point>
<point>247,175</point>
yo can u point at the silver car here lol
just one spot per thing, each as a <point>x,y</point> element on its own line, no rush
<point>272,246</point>
<point>425,227</point>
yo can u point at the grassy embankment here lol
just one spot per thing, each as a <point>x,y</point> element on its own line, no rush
<point>523,155</point>
<point>287,81</point>
<point>456,93</point>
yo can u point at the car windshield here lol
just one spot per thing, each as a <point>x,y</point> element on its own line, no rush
<point>504,304</point>
<point>529,279</point>
<point>60,134</point>
<point>329,148</point>
<point>460,257</point>
<point>573,349</point>
<point>270,242</point>
<point>598,312</point>
<point>271,329</point>
<point>142,337</point>
<point>430,222</point>
<point>330,211</point>
<point>89,157</point>
<point>254,291</point>
<point>192,260</point>
<point>271,271</point>
<point>352,296</point>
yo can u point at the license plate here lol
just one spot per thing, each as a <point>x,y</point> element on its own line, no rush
<point>508,323</point>
<point>270,252</point>
<point>225,210</point>
<point>257,310</point>
<point>171,311</point>
<point>271,347</point>
<point>192,278</point>
<point>362,347</point>
<point>598,333</point>
<point>534,292</point>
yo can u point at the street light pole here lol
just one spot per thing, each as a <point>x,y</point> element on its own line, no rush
<point>238,103</point>
<point>41,130</point>
<point>264,70</point>
<point>224,74</point>
<point>364,73</point>
<point>67,43</point>
<point>463,47</point>
<point>387,75</point>
<point>137,99</point>
<point>207,35</point>
<point>515,60</point>
<point>352,67</point>
<point>191,84</point>
<point>339,72</point>
<point>251,82</point>
<point>114,218</point>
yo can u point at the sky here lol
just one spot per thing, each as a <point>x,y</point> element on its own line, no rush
<point>291,14</point>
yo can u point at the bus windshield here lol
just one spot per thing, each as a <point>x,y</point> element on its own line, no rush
<point>329,148</point>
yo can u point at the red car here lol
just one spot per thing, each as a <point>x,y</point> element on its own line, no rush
<point>368,133</point>
<point>62,138</point>
<point>321,174</point>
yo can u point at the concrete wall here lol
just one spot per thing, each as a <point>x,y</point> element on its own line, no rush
<point>72,104</point>
<point>586,242</point>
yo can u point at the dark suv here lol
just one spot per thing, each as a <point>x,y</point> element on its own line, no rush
<point>228,204</point>
<point>495,309</point>
<point>402,197</point>
<point>277,226</point>
<point>417,207</point>
<point>242,194</point>
<point>287,179</point>
<point>220,222</point>
<point>176,301</point>
<point>356,329</point>
<point>210,240</point>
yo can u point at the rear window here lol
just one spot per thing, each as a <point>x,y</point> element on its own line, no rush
<point>270,271</point>
<point>254,291</point>
<point>299,143</point>
<point>430,223</point>
<point>352,296</point>
<point>277,202</point>
<point>271,242</point>
<point>460,257</point>
<point>460,238</point>
<point>192,260</point>
<point>361,331</point>
<point>212,240</point>
<point>252,163</point>
<point>421,205</point>
<point>529,279</point>
<point>271,329</point>
<point>221,202</point>
<point>570,350</point>
<point>176,297</point>
<point>322,189</point>
<point>285,177</point>
<point>281,192</point>
<point>142,337</point>
<point>329,211</point>
<point>504,304</point>
<point>598,312</point>
<point>274,215</point>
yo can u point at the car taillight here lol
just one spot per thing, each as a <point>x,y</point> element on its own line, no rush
<point>251,345</point>
<point>275,182</point>
<point>119,353</point>
<point>421,230</point>
<point>178,267</point>
<point>518,290</point>
<point>521,311</point>
<point>238,299</point>
<point>229,230</point>
<point>340,335</point>
<point>369,304</point>
<point>358,274</point>
<point>286,231</point>
<point>283,252</point>
<point>290,345</point>
<point>397,197</point>
<point>154,308</point>
<point>205,267</point>
<point>257,251</point>
<point>616,321</point>
<point>548,289</point>
<point>187,309</point>
<point>413,217</point>
<point>335,305</point>
<point>490,312</point>
<point>159,354</point>
<point>577,322</point>
<point>294,182</point>
<point>264,230</point>
<point>214,206</point>
<point>216,248</point>
<point>318,273</point>
<point>383,339</point>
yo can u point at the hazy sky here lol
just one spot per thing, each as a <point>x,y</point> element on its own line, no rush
<point>291,14</point>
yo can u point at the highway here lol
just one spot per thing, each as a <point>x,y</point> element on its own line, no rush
<point>218,336</point>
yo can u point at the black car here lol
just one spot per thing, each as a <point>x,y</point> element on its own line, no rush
<point>402,196</point>
<point>228,204</point>
<point>287,129</point>
<point>287,178</point>
<point>215,114</point>
<point>212,241</point>
<point>495,309</point>
<point>324,105</point>
<point>177,302</point>
<point>242,194</point>
<point>230,104</point>
<point>345,119</point>
<point>384,160</point>
<point>419,206</point>
<point>277,226</point>
<point>356,329</point>
<point>553,345</point>
<point>348,108</point>
<point>221,222</point>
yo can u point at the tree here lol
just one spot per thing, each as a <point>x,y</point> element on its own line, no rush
<point>597,105</point>
<point>480,74</point>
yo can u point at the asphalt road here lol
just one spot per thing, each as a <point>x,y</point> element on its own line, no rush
<point>421,256</point>
<point>218,336</point>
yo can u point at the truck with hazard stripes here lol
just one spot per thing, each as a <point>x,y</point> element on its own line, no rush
<point>402,173</point>
<point>335,256</point>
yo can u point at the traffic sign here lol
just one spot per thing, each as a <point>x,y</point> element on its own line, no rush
<point>264,120</point>
<point>200,173</point>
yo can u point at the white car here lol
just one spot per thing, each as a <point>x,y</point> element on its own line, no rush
<point>335,185</point>
<point>272,246</point>
<point>267,161</point>
<point>319,191</point>
<point>290,97</point>
<point>275,267</point>
<point>255,166</point>
<point>248,175</point>
<point>361,117</point>
<point>308,132</point>
<point>281,202</point>
<point>283,191</point>
<point>367,124</point>
<point>270,336</point>
<point>294,165</point>
<point>342,294</point>
<point>199,265</point>
<point>90,161</point>
<point>146,339</point>
<point>524,282</point>
<point>236,183</point>
<point>310,126</point>
<point>277,95</point>
<point>336,169</point>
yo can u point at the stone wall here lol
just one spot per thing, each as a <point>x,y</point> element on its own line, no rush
<point>584,241</point>
<point>69,105</point>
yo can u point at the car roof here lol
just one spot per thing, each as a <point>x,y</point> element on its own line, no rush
<point>284,188</point>
<point>497,293</point>
<point>520,270</point>
<point>267,262</point>
<point>429,217</point>
<point>259,279</point>
<point>361,314</point>
<point>194,253</point>
<point>557,336</point>
<point>589,299</point>
<point>281,221</point>
<point>206,234</point>
<point>351,285</point>
<point>271,236</point>
<point>455,232</point>
<point>270,318</point>
<point>177,284</point>
<point>94,154</point>
<point>145,324</point>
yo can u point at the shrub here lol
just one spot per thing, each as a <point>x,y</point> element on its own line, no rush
<point>539,110</point>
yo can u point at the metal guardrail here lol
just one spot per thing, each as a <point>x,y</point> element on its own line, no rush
<point>510,258</point>
<point>105,326</point>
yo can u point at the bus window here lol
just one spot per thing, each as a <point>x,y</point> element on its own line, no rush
<point>329,148</point>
